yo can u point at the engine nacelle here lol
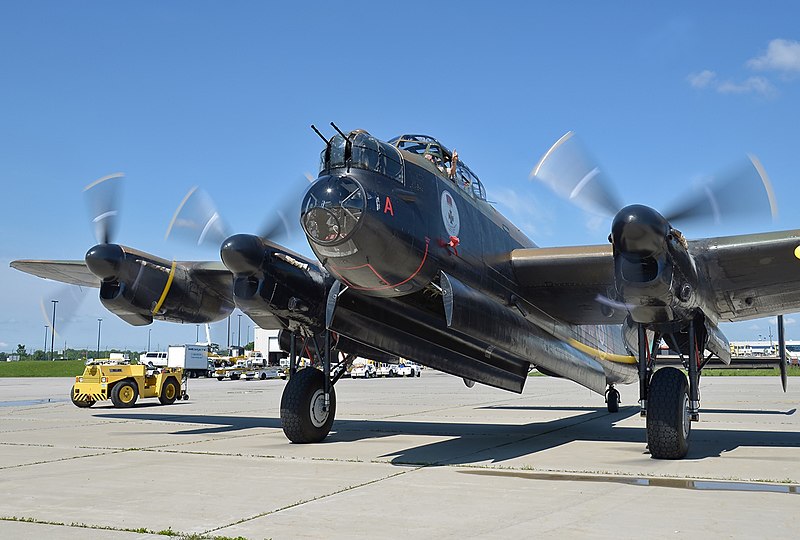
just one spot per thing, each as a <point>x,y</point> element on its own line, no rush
<point>139,287</point>
<point>655,276</point>
<point>271,282</point>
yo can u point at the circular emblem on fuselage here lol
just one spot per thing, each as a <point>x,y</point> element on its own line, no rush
<point>452,223</point>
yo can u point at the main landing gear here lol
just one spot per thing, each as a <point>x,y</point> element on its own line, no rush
<point>669,400</point>
<point>308,404</point>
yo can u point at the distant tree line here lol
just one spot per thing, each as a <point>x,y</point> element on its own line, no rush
<point>68,354</point>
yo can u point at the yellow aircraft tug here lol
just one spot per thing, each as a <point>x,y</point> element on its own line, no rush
<point>125,383</point>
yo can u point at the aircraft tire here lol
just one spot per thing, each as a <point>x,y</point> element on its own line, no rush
<point>302,417</point>
<point>668,415</point>
<point>612,400</point>
<point>170,391</point>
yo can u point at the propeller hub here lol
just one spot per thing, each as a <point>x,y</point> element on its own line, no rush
<point>638,231</point>
<point>104,260</point>
<point>243,254</point>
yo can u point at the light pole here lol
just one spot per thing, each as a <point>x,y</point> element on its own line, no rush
<point>196,333</point>
<point>53,335</point>
<point>229,332</point>
<point>148,339</point>
<point>248,337</point>
<point>239,332</point>
<point>99,322</point>
<point>44,350</point>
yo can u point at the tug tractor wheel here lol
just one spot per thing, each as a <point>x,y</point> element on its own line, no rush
<point>669,419</point>
<point>303,415</point>
<point>82,403</point>
<point>124,394</point>
<point>170,391</point>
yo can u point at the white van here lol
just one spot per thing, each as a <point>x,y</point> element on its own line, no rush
<point>159,359</point>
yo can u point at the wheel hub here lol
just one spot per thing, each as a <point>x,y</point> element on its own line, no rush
<point>319,414</point>
<point>687,416</point>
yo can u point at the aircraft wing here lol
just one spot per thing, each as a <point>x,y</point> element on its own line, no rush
<point>211,273</point>
<point>753,275</point>
<point>750,276</point>
<point>72,272</point>
<point>566,281</point>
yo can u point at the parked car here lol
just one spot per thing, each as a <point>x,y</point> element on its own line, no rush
<point>387,370</point>
<point>408,370</point>
<point>365,371</point>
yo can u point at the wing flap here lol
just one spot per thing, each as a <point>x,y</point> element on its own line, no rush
<point>566,281</point>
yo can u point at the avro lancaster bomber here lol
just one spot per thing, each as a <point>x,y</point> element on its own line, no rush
<point>413,262</point>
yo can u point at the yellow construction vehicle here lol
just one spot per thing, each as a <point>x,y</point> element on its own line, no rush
<point>124,383</point>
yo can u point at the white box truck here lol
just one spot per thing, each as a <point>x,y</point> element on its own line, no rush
<point>192,358</point>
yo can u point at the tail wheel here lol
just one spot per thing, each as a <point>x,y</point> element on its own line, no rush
<point>612,400</point>
<point>82,403</point>
<point>170,391</point>
<point>124,394</point>
<point>669,421</point>
<point>303,415</point>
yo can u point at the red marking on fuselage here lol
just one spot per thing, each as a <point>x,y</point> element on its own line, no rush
<point>388,206</point>
<point>338,271</point>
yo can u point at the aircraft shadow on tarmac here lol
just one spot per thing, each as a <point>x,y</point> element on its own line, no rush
<point>469,443</point>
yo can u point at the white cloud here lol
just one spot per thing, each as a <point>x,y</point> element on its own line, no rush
<point>752,85</point>
<point>702,79</point>
<point>782,55</point>
<point>3,344</point>
<point>789,320</point>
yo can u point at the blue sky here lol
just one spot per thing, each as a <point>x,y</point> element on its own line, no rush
<point>221,94</point>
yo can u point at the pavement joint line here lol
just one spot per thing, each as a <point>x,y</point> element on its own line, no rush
<point>75,525</point>
<point>48,461</point>
<point>313,499</point>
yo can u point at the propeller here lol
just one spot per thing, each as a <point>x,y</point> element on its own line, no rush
<point>197,219</point>
<point>102,200</point>
<point>571,172</point>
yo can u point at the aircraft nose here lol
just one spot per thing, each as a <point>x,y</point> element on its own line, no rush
<point>332,209</point>
<point>104,260</point>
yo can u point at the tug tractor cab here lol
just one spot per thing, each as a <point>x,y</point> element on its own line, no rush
<point>124,384</point>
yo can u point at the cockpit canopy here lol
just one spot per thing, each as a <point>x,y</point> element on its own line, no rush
<point>436,152</point>
<point>366,152</point>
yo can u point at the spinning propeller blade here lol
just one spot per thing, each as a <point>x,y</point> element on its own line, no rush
<point>738,192</point>
<point>102,200</point>
<point>569,170</point>
<point>742,191</point>
<point>197,220</point>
